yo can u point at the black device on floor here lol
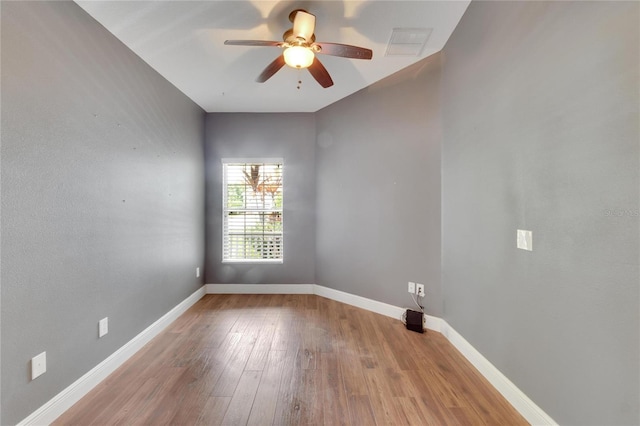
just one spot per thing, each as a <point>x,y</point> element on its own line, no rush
<point>414,321</point>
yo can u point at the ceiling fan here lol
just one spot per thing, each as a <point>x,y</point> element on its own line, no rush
<point>300,46</point>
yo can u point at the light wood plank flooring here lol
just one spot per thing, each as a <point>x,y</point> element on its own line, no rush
<point>289,360</point>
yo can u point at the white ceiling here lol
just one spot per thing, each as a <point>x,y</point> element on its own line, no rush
<point>183,41</point>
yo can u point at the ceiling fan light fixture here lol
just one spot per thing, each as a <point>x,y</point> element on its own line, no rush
<point>300,48</point>
<point>298,57</point>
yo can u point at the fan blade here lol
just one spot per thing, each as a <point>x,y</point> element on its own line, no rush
<point>271,69</point>
<point>344,50</point>
<point>320,73</point>
<point>252,43</point>
<point>304,25</point>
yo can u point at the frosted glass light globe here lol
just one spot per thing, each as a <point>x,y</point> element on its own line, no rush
<point>298,57</point>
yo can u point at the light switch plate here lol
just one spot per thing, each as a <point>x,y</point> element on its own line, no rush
<point>524,240</point>
<point>38,365</point>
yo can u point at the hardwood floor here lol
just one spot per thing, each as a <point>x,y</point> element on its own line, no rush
<point>289,360</point>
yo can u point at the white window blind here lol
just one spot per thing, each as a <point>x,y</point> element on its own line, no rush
<point>252,210</point>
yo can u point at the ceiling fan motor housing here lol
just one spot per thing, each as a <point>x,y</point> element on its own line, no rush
<point>290,38</point>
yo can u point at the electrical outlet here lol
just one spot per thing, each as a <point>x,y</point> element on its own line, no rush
<point>412,287</point>
<point>103,327</point>
<point>420,289</point>
<point>38,365</point>
<point>198,272</point>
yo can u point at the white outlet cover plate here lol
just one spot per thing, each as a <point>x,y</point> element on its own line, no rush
<point>103,326</point>
<point>412,287</point>
<point>38,365</point>
<point>524,240</point>
<point>198,272</point>
<point>420,289</point>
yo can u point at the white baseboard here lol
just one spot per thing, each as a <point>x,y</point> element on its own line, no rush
<point>432,323</point>
<point>69,396</point>
<point>521,402</point>
<point>73,393</point>
<point>527,408</point>
<point>259,288</point>
<point>359,301</point>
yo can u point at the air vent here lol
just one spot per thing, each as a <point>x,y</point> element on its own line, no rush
<point>408,41</point>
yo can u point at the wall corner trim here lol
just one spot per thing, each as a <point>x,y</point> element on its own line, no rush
<point>60,403</point>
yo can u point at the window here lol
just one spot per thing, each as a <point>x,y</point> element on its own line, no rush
<point>252,225</point>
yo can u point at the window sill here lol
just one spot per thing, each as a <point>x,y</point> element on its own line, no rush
<point>255,261</point>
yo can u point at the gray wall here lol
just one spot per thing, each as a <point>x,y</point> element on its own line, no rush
<point>378,200</point>
<point>540,132</point>
<point>535,109</point>
<point>102,197</point>
<point>287,136</point>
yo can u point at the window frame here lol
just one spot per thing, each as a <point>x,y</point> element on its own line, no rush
<point>226,210</point>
